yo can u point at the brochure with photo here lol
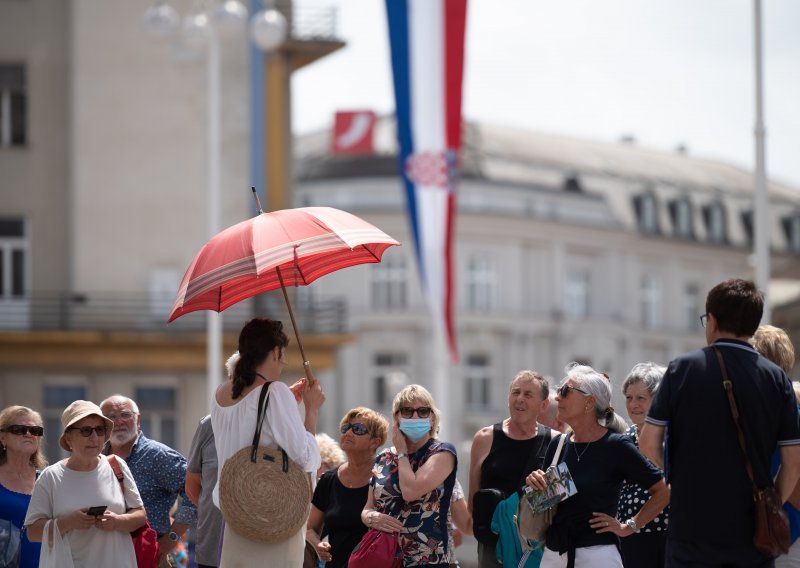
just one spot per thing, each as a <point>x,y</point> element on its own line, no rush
<point>559,487</point>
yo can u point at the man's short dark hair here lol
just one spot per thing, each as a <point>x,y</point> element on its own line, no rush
<point>737,305</point>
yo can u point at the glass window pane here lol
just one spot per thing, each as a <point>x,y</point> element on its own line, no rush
<point>12,228</point>
<point>2,273</point>
<point>168,432</point>
<point>155,399</point>
<point>18,111</point>
<point>58,398</point>
<point>17,273</point>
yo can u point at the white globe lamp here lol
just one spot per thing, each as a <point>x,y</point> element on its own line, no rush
<point>161,19</point>
<point>268,29</point>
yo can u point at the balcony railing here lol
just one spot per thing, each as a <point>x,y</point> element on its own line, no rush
<point>314,23</point>
<point>105,311</point>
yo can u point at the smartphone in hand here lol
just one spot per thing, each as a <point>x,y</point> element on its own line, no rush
<point>97,511</point>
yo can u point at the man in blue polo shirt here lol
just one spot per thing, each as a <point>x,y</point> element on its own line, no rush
<point>711,507</point>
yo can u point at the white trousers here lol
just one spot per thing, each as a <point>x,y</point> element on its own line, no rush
<point>602,556</point>
<point>790,560</point>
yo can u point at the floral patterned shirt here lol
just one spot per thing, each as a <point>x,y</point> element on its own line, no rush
<point>633,496</point>
<point>425,536</point>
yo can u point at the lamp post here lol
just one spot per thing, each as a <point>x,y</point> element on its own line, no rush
<point>761,208</point>
<point>226,18</point>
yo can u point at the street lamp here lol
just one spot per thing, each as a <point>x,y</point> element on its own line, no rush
<point>226,19</point>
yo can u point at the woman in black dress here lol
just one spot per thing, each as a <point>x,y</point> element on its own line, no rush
<point>341,493</point>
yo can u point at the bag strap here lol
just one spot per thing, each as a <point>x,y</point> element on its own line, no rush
<point>728,386</point>
<point>546,435</point>
<point>112,461</point>
<point>557,455</point>
<point>263,403</point>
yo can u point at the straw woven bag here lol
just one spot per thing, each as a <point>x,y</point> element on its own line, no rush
<point>263,495</point>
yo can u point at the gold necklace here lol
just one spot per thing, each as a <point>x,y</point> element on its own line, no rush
<point>575,448</point>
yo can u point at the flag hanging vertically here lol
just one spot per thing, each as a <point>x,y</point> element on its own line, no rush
<point>427,41</point>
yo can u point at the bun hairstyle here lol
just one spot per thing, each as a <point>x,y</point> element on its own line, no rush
<point>599,386</point>
<point>257,339</point>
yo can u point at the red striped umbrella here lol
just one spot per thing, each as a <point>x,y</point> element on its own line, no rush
<point>272,250</point>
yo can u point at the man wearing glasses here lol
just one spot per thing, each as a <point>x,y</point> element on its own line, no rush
<point>711,507</point>
<point>504,453</point>
<point>159,471</point>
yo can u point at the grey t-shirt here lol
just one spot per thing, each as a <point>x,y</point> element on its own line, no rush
<point>202,459</point>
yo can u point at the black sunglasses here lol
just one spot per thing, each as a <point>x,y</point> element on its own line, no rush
<point>358,428</point>
<point>21,430</point>
<point>408,411</point>
<point>563,390</point>
<point>86,431</point>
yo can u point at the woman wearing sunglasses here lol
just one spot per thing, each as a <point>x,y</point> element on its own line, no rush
<point>413,483</point>
<point>67,490</point>
<point>341,493</point>
<point>585,532</point>
<point>20,459</point>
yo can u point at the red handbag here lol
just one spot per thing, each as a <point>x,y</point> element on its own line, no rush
<point>145,539</point>
<point>377,549</point>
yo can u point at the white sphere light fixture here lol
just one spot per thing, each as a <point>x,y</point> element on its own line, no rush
<point>268,29</point>
<point>229,18</point>
<point>161,19</point>
<point>196,29</point>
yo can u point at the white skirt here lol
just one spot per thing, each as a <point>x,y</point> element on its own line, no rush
<point>241,552</point>
<point>604,555</point>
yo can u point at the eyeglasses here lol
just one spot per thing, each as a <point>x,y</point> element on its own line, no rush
<point>422,411</point>
<point>358,428</point>
<point>86,431</point>
<point>704,320</point>
<point>21,430</point>
<point>563,391</point>
<point>124,415</point>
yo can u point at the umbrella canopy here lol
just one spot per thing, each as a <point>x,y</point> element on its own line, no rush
<point>291,246</point>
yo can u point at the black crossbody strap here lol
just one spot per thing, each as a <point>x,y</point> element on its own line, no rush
<point>728,386</point>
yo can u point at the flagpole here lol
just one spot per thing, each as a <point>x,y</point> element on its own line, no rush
<point>443,390</point>
<point>761,207</point>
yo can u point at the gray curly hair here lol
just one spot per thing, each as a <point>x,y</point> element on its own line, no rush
<point>597,385</point>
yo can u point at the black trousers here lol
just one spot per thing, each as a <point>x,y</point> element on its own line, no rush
<point>644,550</point>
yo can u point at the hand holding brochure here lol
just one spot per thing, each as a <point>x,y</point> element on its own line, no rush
<point>559,487</point>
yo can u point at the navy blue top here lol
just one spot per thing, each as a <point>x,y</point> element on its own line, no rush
<point>711,502</point>
<point>604,464</point>
<point>14,506</point>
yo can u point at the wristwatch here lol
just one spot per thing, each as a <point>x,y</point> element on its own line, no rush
<point>631,523</point>
<point>402,455</point>
<point>173,536</point>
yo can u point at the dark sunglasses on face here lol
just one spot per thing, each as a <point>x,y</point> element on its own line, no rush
<point>86,431</point>
<point>21,430</point>
<point>408,412</point>
<point>563,390</point>
<point>358,429</point>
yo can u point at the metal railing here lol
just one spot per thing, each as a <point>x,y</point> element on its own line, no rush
<point>314,23</point>
<point>107,311</point>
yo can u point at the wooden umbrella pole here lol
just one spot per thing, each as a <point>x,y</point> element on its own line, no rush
<point>306,362</point>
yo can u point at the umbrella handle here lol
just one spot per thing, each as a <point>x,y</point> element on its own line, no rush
<point>306,363</point>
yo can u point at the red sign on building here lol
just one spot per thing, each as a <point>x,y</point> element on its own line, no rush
<point>353,131</point>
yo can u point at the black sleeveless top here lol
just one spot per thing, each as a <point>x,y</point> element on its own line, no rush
<point>505,465</point>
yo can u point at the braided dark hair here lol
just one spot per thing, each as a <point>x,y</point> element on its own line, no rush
<point>258,337</point>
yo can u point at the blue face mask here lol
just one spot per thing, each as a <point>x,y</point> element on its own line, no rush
<point>415,428</point>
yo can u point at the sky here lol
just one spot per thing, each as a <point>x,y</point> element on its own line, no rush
<point>667,72</point>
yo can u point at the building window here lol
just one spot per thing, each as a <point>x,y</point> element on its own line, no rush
<point>158,408</point>
<point>747,223</point>
<point>651,302</point>
<point>13,255</point>
<point>56,399</point>
<point>647,213</point>
<point>714,215</point>
<point>390,376</point>
<point>791,226</point>
<point>389,282</point>
<point>576,295</point>
<point>481,281</point>
<point>477,382</point>
<point>681,213</point>
<point>13,106</point>
<point>691,307</point>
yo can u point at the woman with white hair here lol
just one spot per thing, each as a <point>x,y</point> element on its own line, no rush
<point>585,532</point>
<point>646,549</point>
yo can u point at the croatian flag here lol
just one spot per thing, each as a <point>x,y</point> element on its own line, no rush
<point>427,40</point>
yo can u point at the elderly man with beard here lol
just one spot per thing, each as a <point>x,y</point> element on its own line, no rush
<point>159,471</point>
<point>504,453</point>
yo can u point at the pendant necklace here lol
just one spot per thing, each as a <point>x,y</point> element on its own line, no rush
<point>579,455</point>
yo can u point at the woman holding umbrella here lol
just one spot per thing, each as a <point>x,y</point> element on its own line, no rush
<point>234,409</point>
